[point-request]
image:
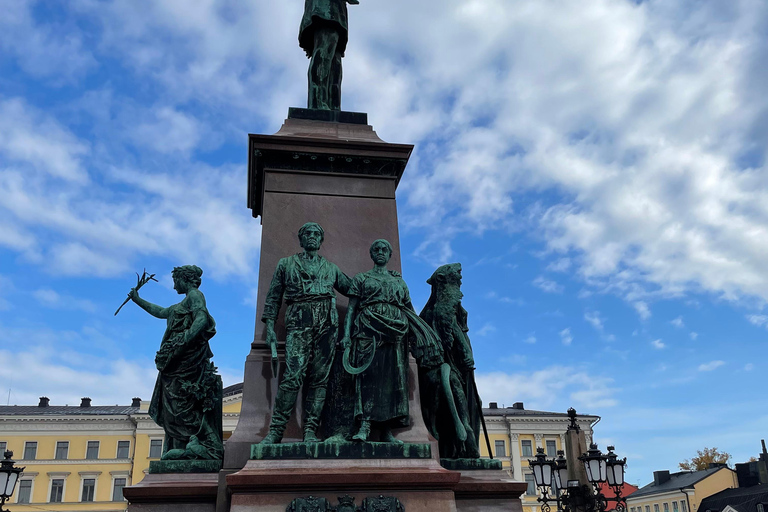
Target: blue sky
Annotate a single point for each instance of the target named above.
(598, 169)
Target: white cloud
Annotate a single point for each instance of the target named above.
(758, 320)
(593, 317)
(544, 388)
(560, 265)
(678, 322)
(565, 336)
(486, 329)
(658, 344)
(52, 299)
(749, 367)
(547, 285)
(694, 335)
(712, 365)
(530, 340)
(642, 309)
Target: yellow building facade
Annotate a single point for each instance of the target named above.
(682, 491)
(81, 457)
(515, 434)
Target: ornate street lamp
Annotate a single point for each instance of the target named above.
(570, 495)
(595, 463)
(9, 475)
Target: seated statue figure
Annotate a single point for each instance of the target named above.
(450, 404)
(187, 398)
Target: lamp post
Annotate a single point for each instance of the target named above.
(9, 475)
(571, 495)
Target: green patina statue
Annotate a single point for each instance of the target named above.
(451, 406)
(306, 281)
(379, 327)
(186, 401)
(323, 35)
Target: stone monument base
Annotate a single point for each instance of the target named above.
(471, 464)
(341, 450)
(272, 485)
(174, 492)
(184, 466)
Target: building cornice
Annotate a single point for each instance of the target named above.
(63, 462)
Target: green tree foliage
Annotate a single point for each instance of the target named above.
(704, 458)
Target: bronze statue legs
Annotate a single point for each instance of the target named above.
(324, 74)
(309, 355)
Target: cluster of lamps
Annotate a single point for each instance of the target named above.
(9, 476)
(551, 476)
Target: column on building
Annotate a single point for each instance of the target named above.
(539, 443)
(515, 464)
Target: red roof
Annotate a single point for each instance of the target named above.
(607, 491)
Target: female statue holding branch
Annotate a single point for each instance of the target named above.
(186, 401)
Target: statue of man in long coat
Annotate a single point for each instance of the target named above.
(323, 35)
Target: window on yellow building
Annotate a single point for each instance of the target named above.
(531, 490)
(3, 446)
(500, 448)
(655, 507)
(89, 489)
(647, 508)
(155, 448)
(674, 507)
(551, 447)
(30, 450)
(93, 450)
(122, 449)
(117, 489)
(527, 448)
(683, 506)
(666, 507)
(57, 490)
(25, 491)
(62, 450)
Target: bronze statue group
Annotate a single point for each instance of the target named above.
(381, 328)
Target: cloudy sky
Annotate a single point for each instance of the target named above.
(597, 167)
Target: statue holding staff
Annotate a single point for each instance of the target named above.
(187, 398)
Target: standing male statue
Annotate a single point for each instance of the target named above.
(306, 281)
(323, 35)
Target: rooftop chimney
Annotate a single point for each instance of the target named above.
(136, 402)
(660, 477)
(85, 402)
(43, 401)
(493, 405)
(518, 405)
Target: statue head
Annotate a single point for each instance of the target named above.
(380, 251)
(446, 283)
(186, 277)
(311, 236)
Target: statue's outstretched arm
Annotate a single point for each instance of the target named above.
(152, 309)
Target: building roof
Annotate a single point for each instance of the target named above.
(743, 499)
(66, 410)
(234, 389)
(677, 481)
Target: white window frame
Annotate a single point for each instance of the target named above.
(496, 449)
(149, 448)
(521, 447)
(6, 447)
(57, 476)
(115, 475)
(98, 450)
(88, 475)
(24, 450)
(117, 448)
(547, 451)
(31, 478)
(56, 449)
